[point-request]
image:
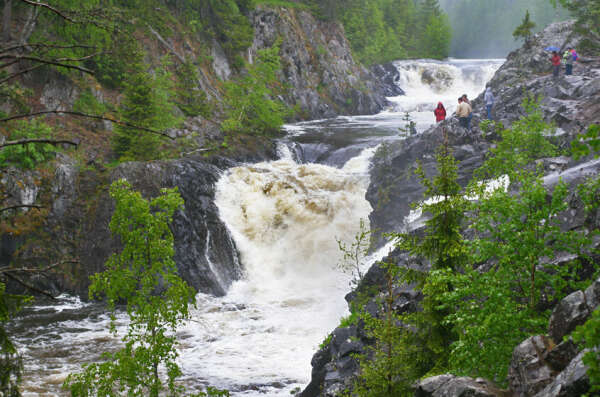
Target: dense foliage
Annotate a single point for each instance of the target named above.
(385, 30)
(147, 103)
(587, 13)
(248, 105)
(27, 155)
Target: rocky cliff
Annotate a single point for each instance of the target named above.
(539, 367)
(321, 80)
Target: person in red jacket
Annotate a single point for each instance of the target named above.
(440, 113)
(555, 63)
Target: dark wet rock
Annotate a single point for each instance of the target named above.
(317, 64)
(528, 372)
(572, 382)
(567, 315)
(561, 355)
(389, 75)
(454, 386)
(394, 185)
(204, 251)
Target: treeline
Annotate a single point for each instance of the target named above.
(483, 29)
(385, 30)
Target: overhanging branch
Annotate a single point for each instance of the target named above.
(14, 207)
(49, 7)
(90, 116)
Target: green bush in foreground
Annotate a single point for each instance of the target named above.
(143, 275)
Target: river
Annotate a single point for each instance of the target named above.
(285, 217)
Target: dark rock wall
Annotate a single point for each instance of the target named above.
(204, 252)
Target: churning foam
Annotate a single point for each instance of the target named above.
(285, 218)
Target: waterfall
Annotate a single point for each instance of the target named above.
(284, 216)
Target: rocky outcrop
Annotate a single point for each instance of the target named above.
(317, 65)
(81, 210)
(455, 386)
(548, 366)
(390, 76)
(571, 102)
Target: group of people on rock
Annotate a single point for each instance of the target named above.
(569, 57)
(464, 111)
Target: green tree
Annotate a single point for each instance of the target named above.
(28, 155)
(589, 335)
(144, 276)
(385, 366)
(587, 13)
(147, 103)
(442, 244)
(11, 365)
(249, 107)
(517, 236)
(524, 30)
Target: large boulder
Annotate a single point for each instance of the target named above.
(572, 382)
(455, 386)
(528, 372)
(573, 310)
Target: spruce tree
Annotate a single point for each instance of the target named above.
(147, 103)
(524, 30)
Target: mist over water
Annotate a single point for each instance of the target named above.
(284, 217)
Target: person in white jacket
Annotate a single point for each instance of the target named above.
(489, 102)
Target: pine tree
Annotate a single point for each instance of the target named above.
(147, 103)
(524, 30)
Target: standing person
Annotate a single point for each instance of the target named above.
(470, 116)
(555, 63)
(440, 113)
(462, 111)
(568, 58)
(489, 101)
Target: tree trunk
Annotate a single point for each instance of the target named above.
(6, 20)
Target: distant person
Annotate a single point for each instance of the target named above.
(440, 113)
(470, 116)
(568, 59)
(413, 128)
(462, 112)
(489, 101)
(555, 63)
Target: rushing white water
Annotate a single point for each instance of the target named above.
(284, 217)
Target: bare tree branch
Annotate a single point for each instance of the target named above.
(4, 80)
(36, 269)
(49, 7)
(14, 207)
(28, 286)
(44, 45)
(57, 62)
(37, 140)
(90, 116)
